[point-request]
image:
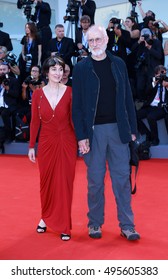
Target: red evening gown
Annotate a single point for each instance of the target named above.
(57, 152)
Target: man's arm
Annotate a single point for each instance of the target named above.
(143, 14)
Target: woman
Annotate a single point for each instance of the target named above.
(132, 27)
(57, 149)
(31, 50)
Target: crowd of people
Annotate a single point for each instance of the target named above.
(118, 80)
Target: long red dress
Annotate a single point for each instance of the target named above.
(57, 152)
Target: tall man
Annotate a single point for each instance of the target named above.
(42, 17)
(62, 45)
(105, 122)
(87, 7)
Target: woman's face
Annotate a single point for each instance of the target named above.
(129, 22)
(35, 72)
(27, 29)
(55, 73)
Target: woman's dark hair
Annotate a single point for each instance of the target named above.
(135, 26)
(33, 29)
(52, 61)
(37, 67)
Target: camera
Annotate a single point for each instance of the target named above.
(133, 2)
(72, 10)
(115, 20)
(147, 39)
(4, 79)
(11, 58)
(28, 58)
(116, 23)
(30, 81)
(162, 77)
(27, 5)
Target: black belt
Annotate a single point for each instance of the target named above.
(43, 27)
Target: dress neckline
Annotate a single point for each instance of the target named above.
(49, 102)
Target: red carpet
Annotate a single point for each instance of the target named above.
(20, 213)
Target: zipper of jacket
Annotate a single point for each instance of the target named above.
(96, 99)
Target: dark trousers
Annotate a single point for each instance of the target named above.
(6, 117)
(46, 35)
(152, 114)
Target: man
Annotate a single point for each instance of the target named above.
(42, 17)
(9, 92)
(5, 41)
(4, 56)
(156, 106)
(62, 45)
(119, 39)
(148, 53)
(105, 122)
(144, 15)
(81, 43)
(86, 7)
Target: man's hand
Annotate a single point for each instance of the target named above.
(84, 147)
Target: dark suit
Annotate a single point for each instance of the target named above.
(78, 39)
(122, 43)
(5, 41)
(65, 49)
(152, 114)
(10, 99)
(89, 9)
(42, 16)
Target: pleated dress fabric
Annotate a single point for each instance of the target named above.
(57, 152)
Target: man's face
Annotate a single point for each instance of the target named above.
(2, 54)
(4, 69)
(59, 31)
(66, 71)
(85, 24)
(97, 43)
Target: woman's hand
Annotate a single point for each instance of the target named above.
(31, 155)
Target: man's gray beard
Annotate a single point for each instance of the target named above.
(99, 52)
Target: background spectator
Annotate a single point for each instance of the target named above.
(119, 39)
(9, 93)
(42, 18)
(62, 45)
(31, 50)
(81, 43)
(155, 105)
(5, 41)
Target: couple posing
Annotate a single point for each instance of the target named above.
(104, 121)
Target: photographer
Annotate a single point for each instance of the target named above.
(31, 83)
(62, 46)
(9, 92)
(5, 40)
(148, 53)
(119, 39)
(31, 50)
(155, 107)
(81, 43)
(10, 58)
(87, 7)
(42, 18)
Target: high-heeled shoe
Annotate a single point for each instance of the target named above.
(65, 237)
(40, 229)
